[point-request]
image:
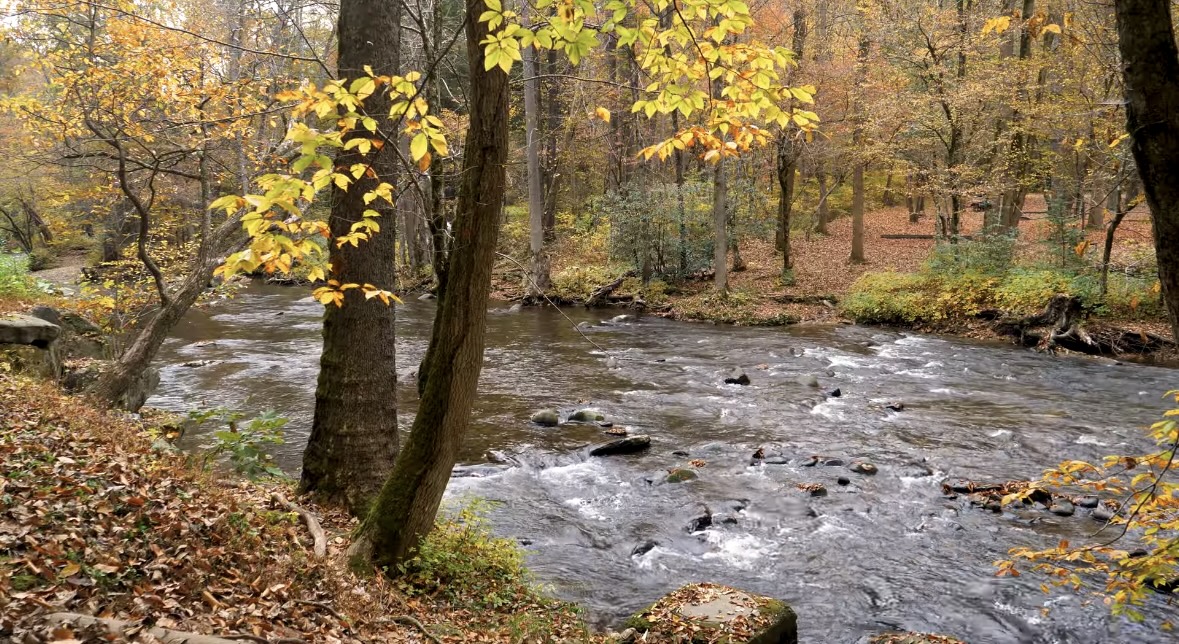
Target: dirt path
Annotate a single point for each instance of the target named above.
(66, 274)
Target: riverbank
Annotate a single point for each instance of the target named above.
(98, 516)
(898, 251)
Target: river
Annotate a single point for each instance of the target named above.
(886, 551)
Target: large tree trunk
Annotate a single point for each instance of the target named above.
(408, 502)
(787, 160)
(1150, 60)
(538, 278)
(857, 244)
(354, 432)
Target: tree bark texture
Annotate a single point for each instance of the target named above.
(538, 278)
(354, 432)
(1150, 65)
(408, 502)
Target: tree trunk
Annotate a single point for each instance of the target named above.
(787, 170)
(354, 431)
(408, 502)
(1150, 62)
(720, 217)
(857, 243)
(538, 279)
(681, 209)
(822, 211)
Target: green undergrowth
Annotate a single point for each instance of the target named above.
(942, 298)
(738, 306)
(15, 281)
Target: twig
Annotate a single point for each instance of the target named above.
(319, 546)
(335, 613)
(412, 621)
(246, 636)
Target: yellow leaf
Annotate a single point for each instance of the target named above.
(603, 114)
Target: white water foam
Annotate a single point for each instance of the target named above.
(740, 551)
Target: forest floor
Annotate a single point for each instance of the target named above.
(99, 517)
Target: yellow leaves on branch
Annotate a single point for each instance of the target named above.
(691, 55)
(333, 293)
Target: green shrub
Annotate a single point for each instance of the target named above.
(579, 282)
(14, 277)
(1026, 291)
(41, 259)
(465, 562)
(992, 255)
(890, 298)
(243, 444)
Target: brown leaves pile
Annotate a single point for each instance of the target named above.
(669, 625)
(94, 521)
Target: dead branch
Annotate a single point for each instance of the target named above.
(118, 627)
(406, 619)
(319, 537)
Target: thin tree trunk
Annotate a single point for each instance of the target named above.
(538, 279)
(408, 502)
(1150, 63)
(354, 431)
(720, 218)
(681, 209)
(787, 160)
(823, 210)
(857, 244)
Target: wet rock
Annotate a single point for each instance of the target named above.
(628, 445)
(994, 505)
(516, 308)
(863, 467)
(426, 297)
(827, 461)
(843, 480)
(758, 457)
(729, 520)
(1102, 513)
(680, 452)
(605, 424)
(586, 416)
(712, 613)
(808, 381)
(643, 548)
(698, 524)
(619, 319)
(830, 373)
(615, 431)
(611, 362)
(546, 418)
(679, 475)
(1087, 501)
(524, 542)
(194, 364)
(895, 406)
(16, 328)
(917, 470)
(776, 460)
(966, 486)
(834, 393)
(626, 636)
(47, 313)
(584, 325)
(1062, 508)
(737, 377)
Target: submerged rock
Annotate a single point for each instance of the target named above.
(698, 524)
(628, 445)
(834, 393)
(516, 308)
(1102, 513)
(828, 461)
(843, 480)
(586, 416)
(546, 418)
(895, 406)
(1062, 508)
(808, 381)
(715, 613)
(679, 475)
(737, 377)
(1088, 501)
(643, 548)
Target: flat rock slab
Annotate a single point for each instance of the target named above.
(16, 328)
(629, 445)
(711, 613)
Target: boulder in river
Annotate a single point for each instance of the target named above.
(814, 489)
(895, 406)
(808, 381)
(680, 474)
(586, 416)
(834, 393)
(1062, 508)
(516, 308)
(546, 418)
(426, 297)
(712, 612)
(737, 377)
(628, 445)
(643, 548)
(1088, 501)
(1102, 513)
(828, 461)
(843, 480)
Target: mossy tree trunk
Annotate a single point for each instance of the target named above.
(408, 502)
(354, 432)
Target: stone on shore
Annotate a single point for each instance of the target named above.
(16, 328)
(715, 613)
(546, 418)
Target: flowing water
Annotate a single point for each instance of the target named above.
(885, 551)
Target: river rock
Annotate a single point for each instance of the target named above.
(516, 308)
(834, 393)
(16, 328)
(737, 377)
(843, 480)
(895, 406)
(546, 418)
(808, 381)
(586, 416)
(715, 613)
(680, 474)
(1102, 513)
(698, 524)
(611, 362)
(628, 445)
(425, 297)
(828, 461)
(863, 467)
(47, 313)
(776, 460)
(619, 319)
(643, 548)
(1062, 508)
(1088, 501)
(814, 489)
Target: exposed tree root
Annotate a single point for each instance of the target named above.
(1059, 326)
(318, 536)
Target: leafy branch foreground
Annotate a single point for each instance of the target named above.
(1137, 550)
(94, 521)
